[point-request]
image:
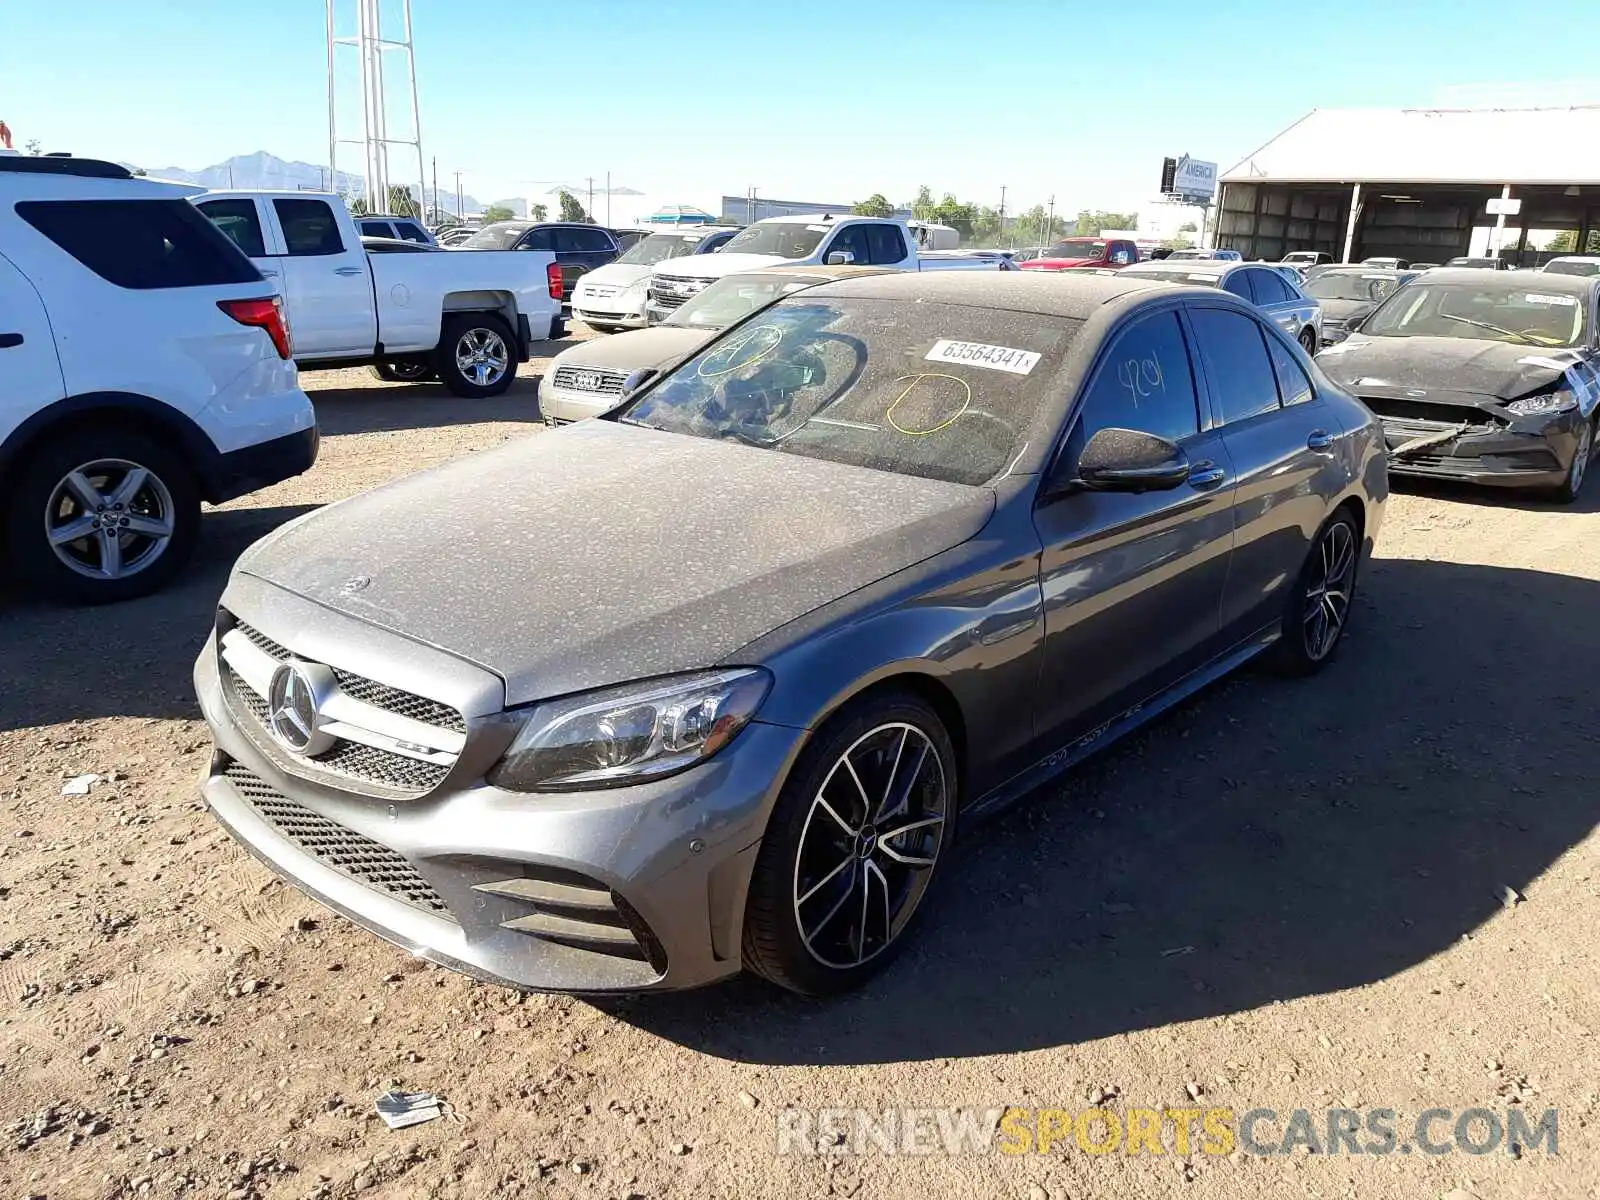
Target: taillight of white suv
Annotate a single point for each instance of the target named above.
(263, 313)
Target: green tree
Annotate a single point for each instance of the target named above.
(875, 205)
(539, 212)
(402, 203)
(922, 207)
(1188, 227)
(498, 212)
(358, 206)
(571, 210)
(33, 147)
(1091, 223)
(1564, 242)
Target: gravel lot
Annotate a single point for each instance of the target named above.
(1283, 895)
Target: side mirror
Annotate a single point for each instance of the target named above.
(840, 258)
(637, 380)
(1128, 460)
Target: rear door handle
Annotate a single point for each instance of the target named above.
(1205, 475)
(1319, 440)
(8, 340)
(269, 274)
(347, 270)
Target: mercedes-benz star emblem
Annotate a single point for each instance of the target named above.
(292, 715)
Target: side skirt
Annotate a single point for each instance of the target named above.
(1103, 735)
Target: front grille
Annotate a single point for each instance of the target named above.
(1440, 415)
(351, 759)
(346, 851)
(669, 291)
(380, 695)
(589, 379)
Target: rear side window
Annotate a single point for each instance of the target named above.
(1238, 282)
(1144, 383)
(309, 227)
(1270, 287)
(885, 245)
(1243, 384)
(141, 244)
(241, 223)
(376, 229)
(1294, 385)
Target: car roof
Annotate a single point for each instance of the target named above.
(1569, 285)
(1583, 258)
(1077, 296)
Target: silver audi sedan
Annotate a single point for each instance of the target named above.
(1262, 284)
(715, 680)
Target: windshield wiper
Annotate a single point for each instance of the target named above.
(1510, 333)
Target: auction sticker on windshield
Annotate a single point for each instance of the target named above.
(977, 354)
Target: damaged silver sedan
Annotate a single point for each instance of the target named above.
(1480, 376)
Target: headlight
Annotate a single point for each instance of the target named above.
(631, 733)
(1544, 406)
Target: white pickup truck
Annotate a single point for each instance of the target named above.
(466, 318)
(819, 239)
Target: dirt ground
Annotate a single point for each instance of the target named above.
(1283, 895)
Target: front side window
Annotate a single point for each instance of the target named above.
(1238, 283)
(377, 229)
(240, 221)
(1501, 309)
(1270, 287)
(885, 245)
(1145, 383)
(501, 236)
(309, 227)
(853, 240)
(936, 390)
(1234, 348)
(781, 238)
(592, 241)
(141, 244)
(410, 231)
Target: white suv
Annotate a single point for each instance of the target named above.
(145, 366)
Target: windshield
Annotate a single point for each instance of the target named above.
(780, 238)
(1077, 250)
(1493, 311)
(733, 298)
(1573, 267)
(1330, 285)
(496, 237)
(659, 247)
(936, 390)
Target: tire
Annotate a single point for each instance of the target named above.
(1309, 340)
(1578, 469)
(816, 860)
(413, 370)
(104, 460)
(1304, 647)
(467, 336)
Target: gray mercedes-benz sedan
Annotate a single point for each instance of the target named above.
(712, 681)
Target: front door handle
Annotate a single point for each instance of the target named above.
(1206, 475)
(347, 270)
(1319, 440)
(8, 340)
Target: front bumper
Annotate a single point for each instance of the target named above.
(562, 406)
(1502, 457)
(611, 311)
(638, 888)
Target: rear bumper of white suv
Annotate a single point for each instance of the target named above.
(240, 472)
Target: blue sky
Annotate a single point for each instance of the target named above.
(816, 99)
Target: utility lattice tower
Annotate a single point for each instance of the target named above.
(383, 69)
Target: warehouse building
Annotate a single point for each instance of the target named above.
(1420, 184)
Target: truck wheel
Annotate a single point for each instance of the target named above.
(407, 370)
(475, 357)
(101, 516)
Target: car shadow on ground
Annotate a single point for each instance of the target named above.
(133, 659)
(1268, 840)
(417, 406)
(1588, 500)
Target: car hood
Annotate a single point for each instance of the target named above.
(634, 351)
(1419, 366)
(715, 266)
(614, 275)
(601, 553)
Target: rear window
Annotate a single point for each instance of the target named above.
(141, 244)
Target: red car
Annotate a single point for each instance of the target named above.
(1072, 253)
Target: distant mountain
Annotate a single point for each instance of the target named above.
(263, 170)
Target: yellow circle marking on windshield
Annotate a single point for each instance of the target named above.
(966, 403)
(765, 337)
